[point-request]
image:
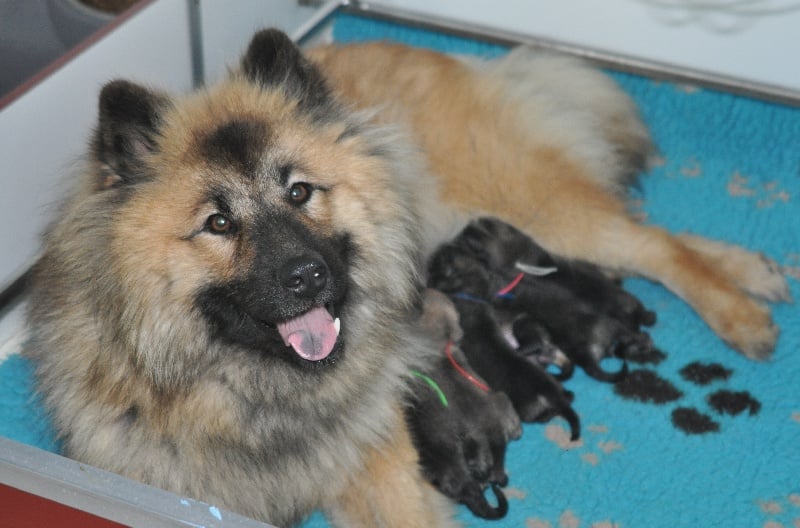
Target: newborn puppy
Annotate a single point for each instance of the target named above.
(588, 316)
(536, 396)
(460, 431)
(503, 248)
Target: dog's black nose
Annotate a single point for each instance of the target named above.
(305, 275)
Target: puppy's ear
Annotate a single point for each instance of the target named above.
(127, 132)
(273, 61)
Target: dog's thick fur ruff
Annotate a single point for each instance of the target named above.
(204, 223)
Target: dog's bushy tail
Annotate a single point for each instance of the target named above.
(573, 100)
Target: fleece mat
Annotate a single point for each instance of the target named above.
(706, 438)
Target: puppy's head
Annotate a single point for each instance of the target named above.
(500, 246)
(454, 269)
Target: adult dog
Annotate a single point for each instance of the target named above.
(550, 146)
(184, 314)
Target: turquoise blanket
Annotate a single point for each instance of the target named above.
(719, 443)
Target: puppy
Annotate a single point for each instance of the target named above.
(536, 396)
(587, 315)
(460, 431)
(506, 249)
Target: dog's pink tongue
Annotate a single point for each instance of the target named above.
(311, 335)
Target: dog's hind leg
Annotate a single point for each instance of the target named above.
(755, 273)
(597, 228)
(391, 491)
(535, 159)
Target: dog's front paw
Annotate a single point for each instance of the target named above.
(756, 343)
(748, 328)
(755, 273)
(768, 281)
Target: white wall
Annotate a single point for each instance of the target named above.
(44, 132)
(754, 41)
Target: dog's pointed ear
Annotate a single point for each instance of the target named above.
(272, 60)
(130, 117)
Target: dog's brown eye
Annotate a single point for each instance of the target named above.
(299, 193)
(219, 224)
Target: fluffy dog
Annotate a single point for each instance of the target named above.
(183, 314)
(225, 304)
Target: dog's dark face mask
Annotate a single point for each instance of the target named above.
(289, 301)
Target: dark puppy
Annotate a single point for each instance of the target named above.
(536, 396)
(505, 249)
(587, 315)
(460, 431)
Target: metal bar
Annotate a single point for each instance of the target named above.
(196, 36)
(106, 494)
(326, 9)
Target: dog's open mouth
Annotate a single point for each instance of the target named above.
(312, 335)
